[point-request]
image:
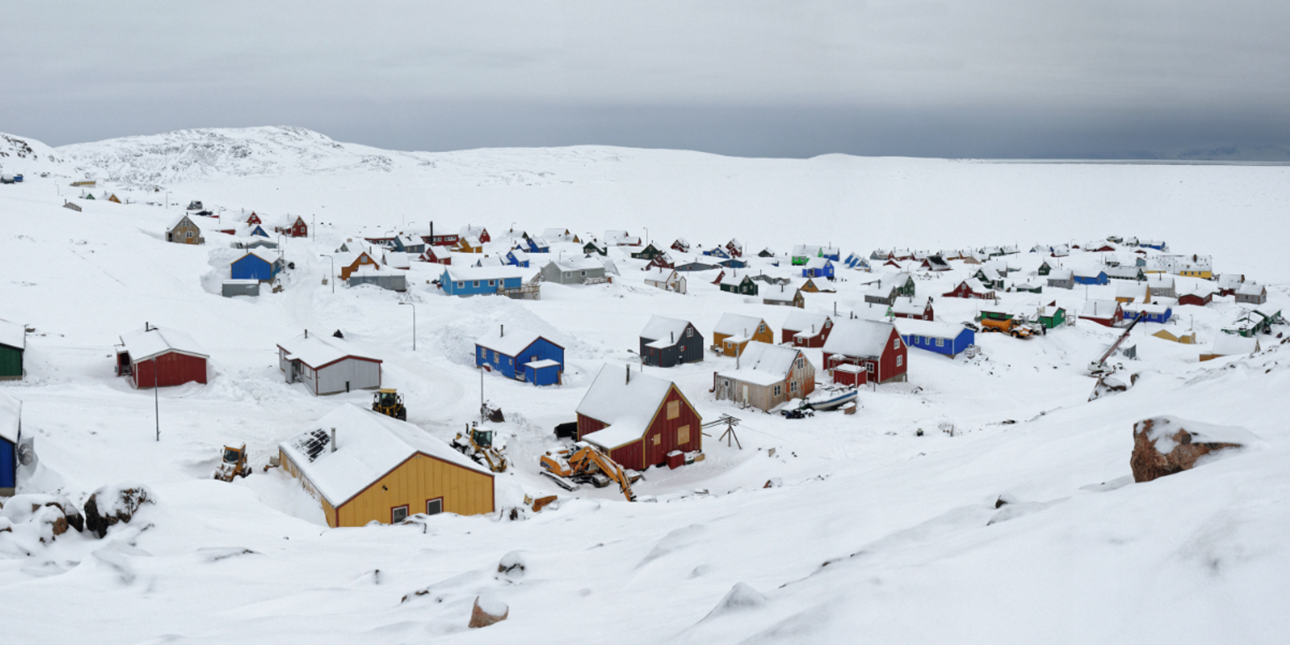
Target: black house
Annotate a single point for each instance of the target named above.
(668, 342)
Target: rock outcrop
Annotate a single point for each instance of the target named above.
(1167, 445)
(487, 611)
(112, 504)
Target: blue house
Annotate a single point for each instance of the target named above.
(733, 263)
(475, 281)
(818, 268)
(717, 252)
(1098, 278)
(517, 258)
(694, 266)
(257, 264)
(256, 229)
(538, 245)
(857, 262)
(408, 244)
(521, 355)
(1151, 313)
(1158, 245)
(938, 337)
(10, 439)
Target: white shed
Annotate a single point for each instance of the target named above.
(327, 365)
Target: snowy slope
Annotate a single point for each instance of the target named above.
(877, 533)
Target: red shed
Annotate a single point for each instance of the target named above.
(294, 228)
(162, 357)
(1199, 298)
(802, 329)
(850, 374)
(874, 345)
(638, 419)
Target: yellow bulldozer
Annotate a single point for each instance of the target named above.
(478, 445)
(389, 402)
(586, 464)
(233, 465)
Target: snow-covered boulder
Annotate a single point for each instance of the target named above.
(44, 517)
(488, 609)
(111, 504)
(1167, 445)
(512, 565)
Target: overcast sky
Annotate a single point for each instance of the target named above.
(973, 78)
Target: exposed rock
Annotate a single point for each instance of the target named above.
(1167, 445)
(512, 565)
(488, 610)
(110, 505)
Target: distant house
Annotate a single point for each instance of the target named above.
(350, 263)
(766, 376)
(293, 227)
(385, 278)
(593, 247)
(717, 252)
(973, 289)
(665, 279)
(733, 263)
(70, 206)
(1062, 279)
(766, 253)
(1091, 278)
(668, 342)
(783, 297)
(1228, 283)
(935, 263)
(1199, 297)
(472, 281)
(1107, 313)
(621, 238)
(449, 239)
(327, 365)
(436, 255)
(857, 262)
(1131, 292)
(521, 355)
(874, 346)
(803, 253)
(694, 266)
(990, 277)
(734, 331)
(802, 329)
(184, 231)
(257, 265)
(1185, 338)
(161, 358)
(410, 244)
(1150, 313)
(557, 235)
(1230, 345)
(809, 286)
(909, 308)
(13, 344)
(1251, 293)
(469, 244)
(741, 284)
(639, 420)
(478, 232)
(1045, 268)
(574, 271)
(889, 287)
(1158, 245)
(1126, 273)
(681, 245)
(1161, 286)
(253, 219)
(538, 245)
(937, 337)
(366, 467)
(518, 258)
(735, 247)
(255, 243)
(1052, 316)
(818, 268)
(661, 261)
(114, 199)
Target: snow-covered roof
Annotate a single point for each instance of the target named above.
(1099, 309)
(1250, 289)
(317, 351)
(975, 285)
(858, 338)
(1131, 289)
(763, 364)
(577, 264)
(10, 418)
(817, 263)
(262, 254)
(906, 305)
(737, 324)
(785, 295)
(460, 273)
(927, 328)
(509, 341)
(142, 345)
(1061, 274)
(662, 328)
(368, 446)
(626, 405)
(13, 334)
(732, 279)
(471, 231)
(546, 362)
(368, 271)
(1231, 345)
(804, 321)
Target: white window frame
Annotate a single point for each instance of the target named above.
(394, 519)
(900, 361)
(476, 283)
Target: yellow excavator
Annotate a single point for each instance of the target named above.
(478, 445)
(389, 402)
(233, 465)
(586, 464)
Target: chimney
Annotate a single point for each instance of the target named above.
(672, 335)
(333, 440)
(629, 374)
(502, 332)
(306, 333)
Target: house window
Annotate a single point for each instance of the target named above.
(801, 362)
(940, 342)
(434, 506)
(868, 367)
(483, 353)
(476, 283)
(792, 386)
(492, 283)
(689, 333)
(461, 285)
(682, 435)
(673, 410)
(658, 439)
(895, 343)
(398, 514)
(900, 360)
(188, 234)
(777, 390)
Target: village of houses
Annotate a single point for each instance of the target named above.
(732, 343)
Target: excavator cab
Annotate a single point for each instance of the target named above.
(482, 438)
(389, 402)
(233, 465)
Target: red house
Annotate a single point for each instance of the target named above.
(908, 308)
(438, 256)
(802, 329)
(1103, 312)
(661, 261)
(476, 231)
(681, 245)
(441, 240)
(296, 228)
(160, 357)
(735, 247)
(1199, 298)
(873, 345)
(638, 420)
(971, 288)
(253, 219)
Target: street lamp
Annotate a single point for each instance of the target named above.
(414, 324)
(332, 278)
(646, 234)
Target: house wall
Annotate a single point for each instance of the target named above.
(8, 467)
(179, 234)
(172, 368)
(360, 374)
(413, 483)
(391, 282)
(251, 267)
(10, 362)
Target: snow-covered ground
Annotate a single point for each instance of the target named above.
(878, 533)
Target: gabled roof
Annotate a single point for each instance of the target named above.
(664, 328)
(12, 334)
(577, 264)
(1250, 289)
(143, 345)
(318, 351)
(368, 446)
(763, 364)
(928, 328)
(511, 342)
(1100, 309)
(737, 325)
(904, 305)
(176, 221)
(271, 258)
(858, 338)
(626, 405)
(1231, 345)
(460, 273)
(803, 321)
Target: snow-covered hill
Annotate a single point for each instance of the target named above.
(880, 526)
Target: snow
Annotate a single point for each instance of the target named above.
(858, 338)
(316, 351)
(10, 417)
(1232, 345)
(927, 328)
(802, 320)
(916, 551)
(510, 343)
(1165, 427)
(546, 362)
(737, 325)
(763, 364)
(662, 329)
(461, 274)
(613, 396)
(13, 334)
(143, 345)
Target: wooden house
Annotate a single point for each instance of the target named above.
(1085, 277)
(733, 263)
(253, 219)
(13, 345)
(661, 261)
(741, 284)
(935, 337)
(990, 277)
(621, 238)
(1228, 283)
(160, 358)
(293, 227)
(184, 231)
(639, 420)
(890, 286)
(367, 467)
(1199, 297)
(410, 244)
(818, 268)
(971, 288)
(383, 277)
(766, 253)
(1107, 313)
(909, 308)
(70, 206)
(1251, 293)
(351, 263)
(668, 342)
(537, 245)
(574, 271)
(875, 346)
(521, 355)
(257, 264)
(1062, 279)
(1152, 313)
(446, 239)
(327, 365)
(478, 232)
(1045, 268)
(665, 279)
(1126, 273)
(857, 262)
(1131, 292)
(1052, 316)
(695, 266)
(436, 255)
(802, 329)
(1161, 286)
(735, 248)
(1230, 345)
(114, 199)
(717, 252)
(783, 297)
(518, 258)
(809, 286)
(475, 281)
(766, 376)
(593, 247)
(935, 263)
(1173, 336)
(469, 244)
(681, 245)
(734, 331)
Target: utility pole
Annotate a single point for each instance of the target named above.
(414, 324)
(156, 398)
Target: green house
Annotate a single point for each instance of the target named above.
(1054, 319)
(592, 247)
(1045, 269)
(734, 284)
(647, 253)
(991, 279)
(13, 342)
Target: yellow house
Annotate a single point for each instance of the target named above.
(469, 244)
(1186, 338)
(734, 331)
(363, 466)
(1196, 273)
